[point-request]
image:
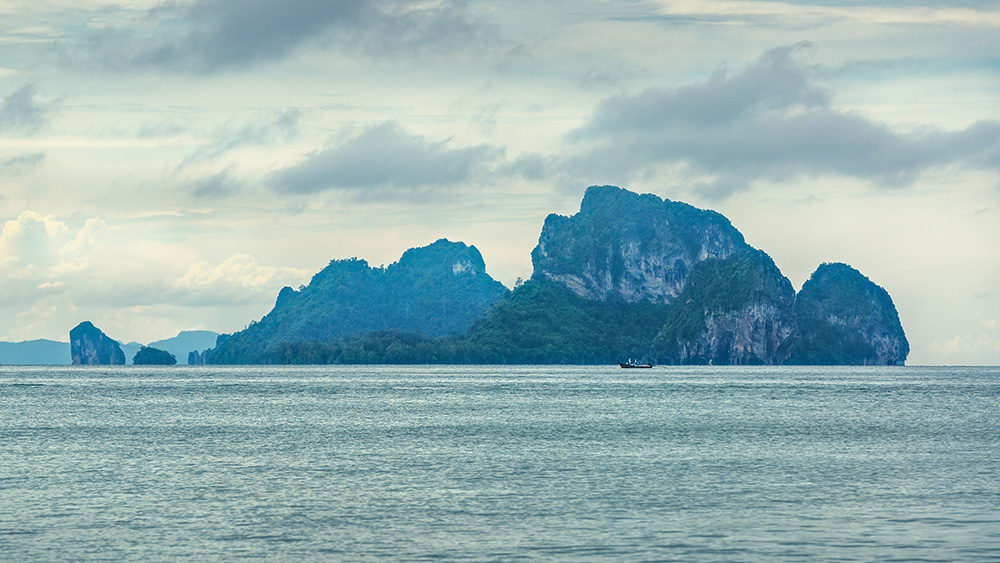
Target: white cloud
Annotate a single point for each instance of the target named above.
(34, 244)
(969, 349)
(55, 272)
(239, 271)
(266, 128)
(822, 14)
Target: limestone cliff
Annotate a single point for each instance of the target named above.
(91, 347)
(630, 247)
(845, 318)
(728, 302)
(738, 310)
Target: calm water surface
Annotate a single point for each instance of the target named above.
(499, 464)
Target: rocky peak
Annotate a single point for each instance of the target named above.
(631, 247)
(845, 318)
(91, 347)
(443, 254)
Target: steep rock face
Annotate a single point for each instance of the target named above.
(630, 247)
(845, 318)
(204, 357)
(755, 335)
(737, 310)
(436, 290)
(727, 302)
(91, 347)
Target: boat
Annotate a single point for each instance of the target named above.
(631, 364)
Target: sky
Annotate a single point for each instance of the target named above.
(167, 166)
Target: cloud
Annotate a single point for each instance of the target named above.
(385, 160)
(965, 349)
(239, 278)
(221, 184)
(72, 271)
(239, 269)
(30, 241)
(207, 36)
(798, 15)
(769, 121)
(39, 253)
(21, 112)
(267, 128)
(21, 164)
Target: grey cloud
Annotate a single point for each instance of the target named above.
(530, 166)
(769, 121)
(276, 126)
(604, 78)
(222, 184)
(21, 164)
(382, 160)
(20, 111)
(773, 83)
(212, 35)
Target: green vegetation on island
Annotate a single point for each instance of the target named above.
(628, 276)
(148, 356)
(845, 318)
(433, 291)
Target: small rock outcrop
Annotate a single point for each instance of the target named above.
(148, 356)
(204, 357)
(846, 319)
(91, 347)
(184, 342)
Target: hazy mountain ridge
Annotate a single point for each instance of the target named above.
(40, 352)
(185, 342)
(52, 352)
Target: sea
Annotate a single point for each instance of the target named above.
(499, 463)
